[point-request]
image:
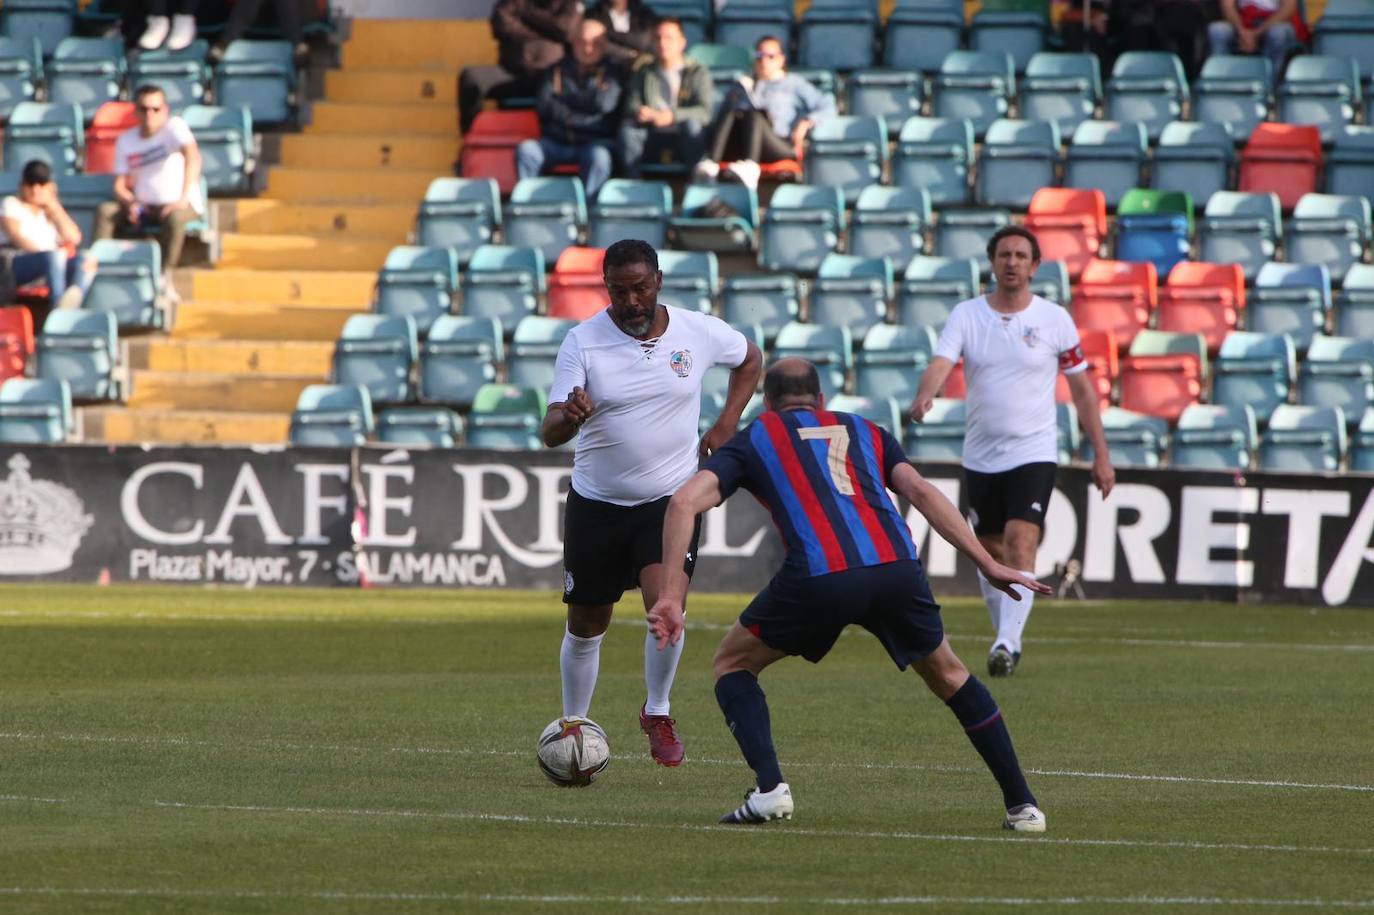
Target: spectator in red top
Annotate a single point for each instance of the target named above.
(1268, 27)
(532, 36)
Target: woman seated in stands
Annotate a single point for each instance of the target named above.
(34, 223)
(764, 118)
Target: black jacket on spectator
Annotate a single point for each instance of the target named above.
(533, 34)
(577, 106)
(626, 46)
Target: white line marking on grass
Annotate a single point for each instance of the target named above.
(22, 799)
(784, 831)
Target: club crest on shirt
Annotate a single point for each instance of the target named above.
(681, 362)
(1031, 335)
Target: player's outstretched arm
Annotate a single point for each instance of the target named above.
(695, 496)
(1085, 400)
(932, 380)
(945, 518)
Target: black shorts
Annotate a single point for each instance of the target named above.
(804, 616)
(606, 546)
(1022, 493)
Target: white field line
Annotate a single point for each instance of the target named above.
(184, 742)
(23, 799)
(782, 831)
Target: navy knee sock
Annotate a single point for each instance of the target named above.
(973, 705)
(746, 712)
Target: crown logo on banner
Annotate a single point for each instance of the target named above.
(41, 523)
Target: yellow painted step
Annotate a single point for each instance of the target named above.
(236, 393)
(405, 86)
(332, 150)
(276, 217)
(352, 117)
(232, 321)
(241, 357)
(185, 426)
(303, 252)
(320, 185)
(345, 289)
(430, 43)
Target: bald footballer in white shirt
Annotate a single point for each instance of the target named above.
(627, 383)
(1013, 345)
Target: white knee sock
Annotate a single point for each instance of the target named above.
(579, 661)
(659, 669)
(993, 598)
(1015, 614)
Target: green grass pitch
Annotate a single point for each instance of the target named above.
(173, 750)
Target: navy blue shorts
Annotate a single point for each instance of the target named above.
(804, 616)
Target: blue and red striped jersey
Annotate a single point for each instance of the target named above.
(823, 476)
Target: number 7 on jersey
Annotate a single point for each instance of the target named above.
(837, 452)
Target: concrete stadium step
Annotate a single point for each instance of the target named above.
(324, 185)
(238, 357)
(222, 392)
(354, 118)
(421, 87)
(237, 321)
(276, 217)
(118, 425)
(303, 252)
(339, 288)
(438, 44)
(332, 150)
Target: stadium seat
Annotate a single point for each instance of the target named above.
(379, 353)
(1067, 432)
(1133, 439)
(852, 292)
(1164, 373)
(52, 133)
(883, 412)
(940, 436)
(503, 282)
(690, 279)
(548, 213)
(86, 72)
(1361, 449)
(1069, 224)
(1018, 158)
(225, 138)
(1117, 297)
(459, 213)
(34, 411)
(82, 195)
(1148, 88)
(1107, 156)
(1240, 229)
(935, 155)
(1355, 310)
(849, 153)
(891, 361)
(724, 231)
(837, 37)
(890, 222)
(1321, 91)
(977, 85)
(1154, 226)
(577, 288)
(712, 405)
(110, 120)
(1020, 34)
(460, 355)
(489, 145)
(127, 282)
(1282, 159)
(421, 282)
(533, 350)
(1254, 369)
(435, 427)
(1290, 299)
(696, 19)
(964, 232)
(332, 415)
(1214, 437)
(16, 340)
(21, 72)
(261, 76)
(1195, 159)
(767, 300)
(802, 225)
(631, 209)
(717, 377)
(1331, 230)
(921, 36)
(742, 22)
(1205, 299)
(727, 64)
(1338, 372)
(1051, 281)
(826, 345)
(44, 21)
(892, 95)
(1232, 91)
(181, 75)
(1104, 362)
(506, 417)
(1304, 439)
(81, 348)
(932, 286)
(1063, 88)
(1346, 29)
(1350, 164)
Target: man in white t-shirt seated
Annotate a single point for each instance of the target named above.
(34, 223)
(157, 183)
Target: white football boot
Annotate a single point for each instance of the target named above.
(1026, 818)
(760, 808)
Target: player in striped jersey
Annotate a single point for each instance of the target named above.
(850, 559)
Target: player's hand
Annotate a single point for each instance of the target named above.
(1002, 578)
(1104, 474)
(666, 622)
(578, 407)
(920, 407)
(713, 439)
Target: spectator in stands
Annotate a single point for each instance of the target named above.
(157, 179)
(630, 28)
(34, 223)
(1269, 27)
(289, 16)
(667, 105)
(531, 36)
(764, 118)
(175, 32)
(1176, 26)
(579, 108)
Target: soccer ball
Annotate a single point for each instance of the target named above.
(573, 752)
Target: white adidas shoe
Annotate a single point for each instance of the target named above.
(760, 808)
(155, 33)
(182, 33)
(1026, 818)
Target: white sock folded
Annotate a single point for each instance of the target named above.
(1015, 615)
(579, 661)
(660, 667)
(993, 598)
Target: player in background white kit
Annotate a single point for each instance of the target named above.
(1013, 345)
(627, 383)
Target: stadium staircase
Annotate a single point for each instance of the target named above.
(302, 257)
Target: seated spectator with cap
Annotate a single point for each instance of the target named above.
(44, 238)
(531, 36)
(764, 118)
(1269, 27)
(667, 105)
(579, 113)
(629, 29)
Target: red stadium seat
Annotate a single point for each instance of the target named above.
(16, 341)
(1069, 224)
(576, 287)
(1099, 348)
(956, 386)
(1283, 159)
(489, 146)
(1203, 299)
(1117, 297)
(1162, 386)
(111, 120)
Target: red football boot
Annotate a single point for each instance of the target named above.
(664, 745)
